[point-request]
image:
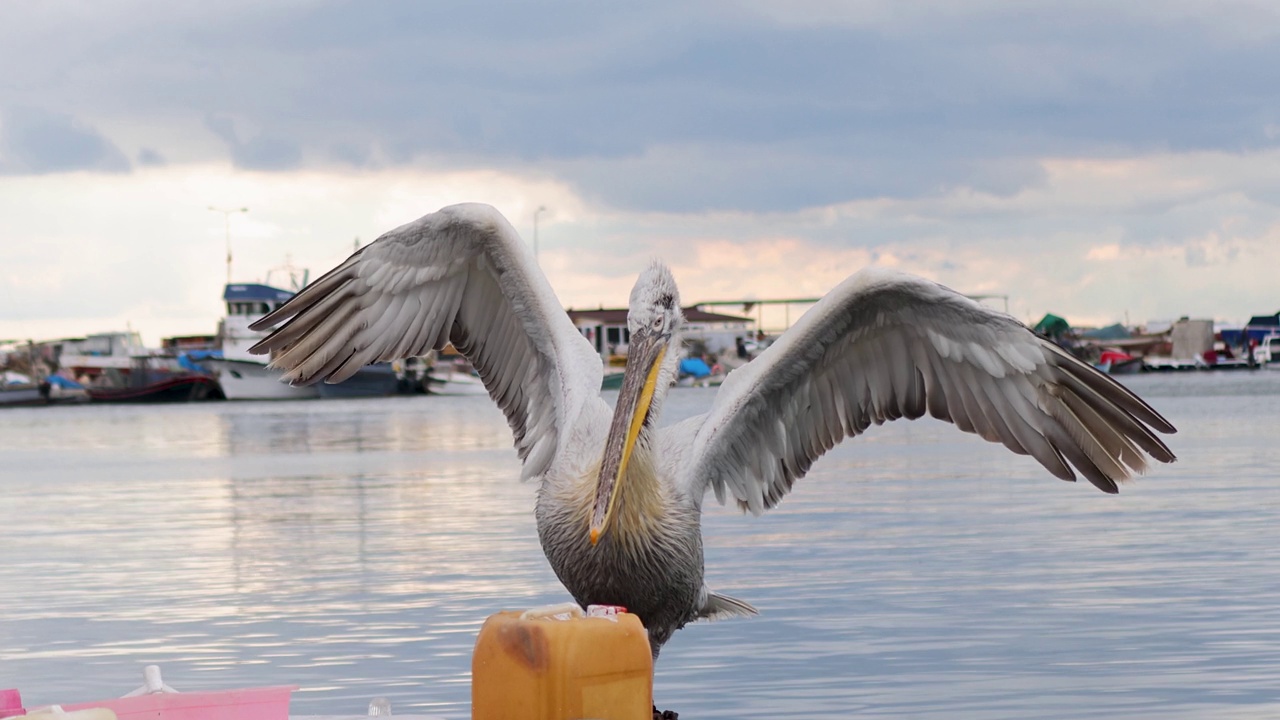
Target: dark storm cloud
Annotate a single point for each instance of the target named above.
(150, 157)
(682, 107)
(261, 152)
(35, 142)
(351, 154)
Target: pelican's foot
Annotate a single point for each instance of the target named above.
(664, 714)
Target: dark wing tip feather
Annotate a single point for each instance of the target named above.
(1114, 389)
(1099, 425)
(1126, 402)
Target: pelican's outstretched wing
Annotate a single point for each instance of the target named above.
(884, 345)
(460, 275)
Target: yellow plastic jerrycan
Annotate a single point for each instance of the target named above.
(557, 663)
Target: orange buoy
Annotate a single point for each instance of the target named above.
(558, 663)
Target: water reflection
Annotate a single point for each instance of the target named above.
(354, 547)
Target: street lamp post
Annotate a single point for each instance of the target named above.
(226, 218)
(541, 209)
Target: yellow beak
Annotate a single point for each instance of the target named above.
(634, 400)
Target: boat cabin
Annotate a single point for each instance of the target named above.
(606, 329)
(253, 299)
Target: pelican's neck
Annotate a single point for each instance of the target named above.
(642, 475)
(641, 506)
(642, 497)
(666, 376)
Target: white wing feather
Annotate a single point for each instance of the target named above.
(460, 275)
(885, 345)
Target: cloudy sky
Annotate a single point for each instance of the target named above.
(1098, 162)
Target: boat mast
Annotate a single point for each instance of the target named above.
(226, 219)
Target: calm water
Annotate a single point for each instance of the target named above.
(354, 547)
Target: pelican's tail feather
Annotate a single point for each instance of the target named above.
(720, 607)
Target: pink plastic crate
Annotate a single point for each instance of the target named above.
(11, 704)
(264, 703)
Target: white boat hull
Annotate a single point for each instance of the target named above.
(455, 383)
(21, 395)
(241, 380)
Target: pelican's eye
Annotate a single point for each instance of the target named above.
(657, 323)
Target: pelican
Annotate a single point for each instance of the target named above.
(619, 500)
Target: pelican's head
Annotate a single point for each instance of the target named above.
(654, 319)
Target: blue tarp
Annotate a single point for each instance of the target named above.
(59, 381)
(189, 359)
(695, 367)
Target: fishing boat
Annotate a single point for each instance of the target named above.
(118, 367)
(244, 376)
(20, 375)
(88, 358)
(1267, 353)
(17, 389)
(167, 387)
(62, 390)
(1117, 362)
